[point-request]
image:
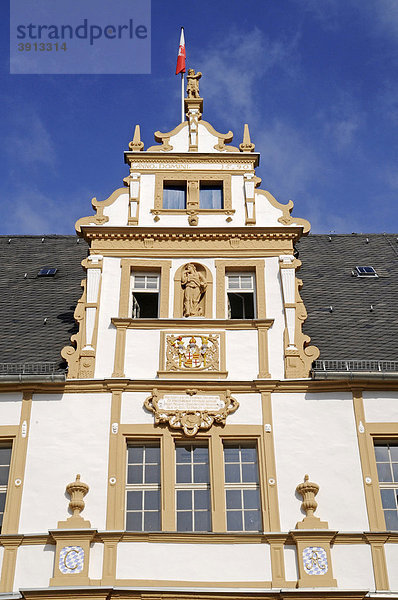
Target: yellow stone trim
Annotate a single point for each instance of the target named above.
(271, 487)
(171, 583)
(127, 266)
(110, 559)
(10, 544)
(114, 513)
(318, 538)
(380, 570)
(223, 266)
(278, 561)
(66, 537)
(210, 324)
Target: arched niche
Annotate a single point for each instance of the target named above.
(206, 301)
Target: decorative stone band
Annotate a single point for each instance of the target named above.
(191, 411)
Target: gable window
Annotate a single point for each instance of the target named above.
(175, 195)
(193, 488)
(143, 488)
(242, 488)
(145, 295)
(387, 471)
(241, 295)
(211, 195)
(5, 459)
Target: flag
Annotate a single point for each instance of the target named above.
(181, 54)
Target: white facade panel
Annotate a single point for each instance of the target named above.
(96, 560)
(109, 307)
(10, 408)
(133, 411)
(391, 552)
(142, 354)
(118, 211)
(249, 411)
(381, 407)
(35, 565)
(194, 562)
(274, 308)
(242, 354)
(68, 435)
(291, 566)
(353, 567)
(315, 434)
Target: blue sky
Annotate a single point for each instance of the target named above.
(315, 79)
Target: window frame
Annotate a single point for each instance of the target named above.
(223, 267)
(168, 439)
(128, 266)
(252, 291)
(144, 290)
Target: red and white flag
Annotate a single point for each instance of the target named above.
(181, 54)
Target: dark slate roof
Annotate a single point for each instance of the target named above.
(351, 331)
(26, 302)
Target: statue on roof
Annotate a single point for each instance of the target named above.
(193, 83)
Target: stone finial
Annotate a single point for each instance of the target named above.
(308, 490)
(136, 145)
(246, 145)
(76, 490)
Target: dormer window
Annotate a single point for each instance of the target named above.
(211, 195)
(175, 195)
(145, 296)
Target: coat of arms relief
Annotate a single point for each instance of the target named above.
(198, 352)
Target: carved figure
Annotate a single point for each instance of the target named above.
(193, 83)
(194, 285)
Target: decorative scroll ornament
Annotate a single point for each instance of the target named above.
(191, 411)
(187, 352)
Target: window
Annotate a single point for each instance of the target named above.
(241, 295)
(242, 490)
(175, 195)
(5, 459)
(143, 487)
(145, 295)
(365, 272)
(47, 272)
(387, 471)
(193, 488)
(211, 195)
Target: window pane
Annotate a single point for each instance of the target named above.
(135, 454)
(152, 454)
(139, 281)
(231, 454)
(249, 455)
(234, 521)
(252, 520)
(202, 521)
(202, 499)
(5, 456)
(184, 499)
(152, 521)
(249, 473)
(241, 305)
(251, 498)
(381, 453)
(4, 475)
(145, 305)
(134, 521)
(152, 282)
(395, 471)
(246, 282)
(2, 502)
(184, 474)
(394, 453)
(201, 473)
(200, 454)
(234, 499)
(232, 473)
(184, 521)
(152, 474)
(152, 500)
(388, 498)
(211, 196)
(183, 454)
(134, 500)
(384, 472)
(174, 196)
(233, 281)
(391, 517)
(135, 474)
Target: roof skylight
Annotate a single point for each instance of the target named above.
(366, 271)
(47, 272)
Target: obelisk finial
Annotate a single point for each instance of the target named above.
(246, 145)
(136, 145)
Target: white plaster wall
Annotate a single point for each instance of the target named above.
(391, 552)
(109, 307)
(180, 141)
(96, 560)
(68, 435)
(147, 199)
(352, 566)
(133, 411)
(242, 354)
(238, 201)
(194, 562)
(274, 308)
(118, 211)
(315, 434)
(249, 411)
(266, 214)
(142, 353)
(10, 408)
(34, 567)
(291, 566)
(381, 407)
(206, 141)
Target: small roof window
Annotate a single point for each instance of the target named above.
(47, 272)
(365, 271)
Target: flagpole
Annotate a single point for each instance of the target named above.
(182, 98)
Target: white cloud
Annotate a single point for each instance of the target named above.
(30, 138)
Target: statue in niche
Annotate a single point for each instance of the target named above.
(194, 285)
(193, 83)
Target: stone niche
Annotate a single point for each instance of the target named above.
(193, 291)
